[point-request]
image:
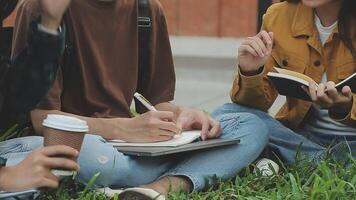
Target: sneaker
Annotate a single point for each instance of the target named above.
(140, 194)
(264, 166)
(132, 194)
(109, 192)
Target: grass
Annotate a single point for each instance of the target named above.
(327, 180)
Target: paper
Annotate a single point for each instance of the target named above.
(186, 138)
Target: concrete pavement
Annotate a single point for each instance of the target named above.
(205, 69)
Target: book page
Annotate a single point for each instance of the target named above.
(186, 138)
(295, 74)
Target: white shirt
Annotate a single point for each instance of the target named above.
(318, 120)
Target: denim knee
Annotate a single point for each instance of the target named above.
(247, 126)
(115, 168)
(97, 157)
(231, 108)
(18, 145)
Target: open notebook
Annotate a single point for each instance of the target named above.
(186, 138)
(187, 142)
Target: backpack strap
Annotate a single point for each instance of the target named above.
(144, 39)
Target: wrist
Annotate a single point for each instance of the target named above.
(119, 128)
(341, 111)
(252, 72)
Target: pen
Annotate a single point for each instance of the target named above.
(148, 105)
(144, 102)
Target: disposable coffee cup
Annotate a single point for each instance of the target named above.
(64, 130)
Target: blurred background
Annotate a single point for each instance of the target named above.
(205, 35)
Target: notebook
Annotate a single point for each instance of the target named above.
(289, 83)
(164, 151)
(188, 141)
(186, 138)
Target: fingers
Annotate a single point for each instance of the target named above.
(61, 150)
(312, 91)
(323, 98)
(268, 39)
(215, 131)
(170, 127)
(332, 91)
(65, 163)
(346, 91)
(205, 129)
(164, 115)
(249, 49)
(259, 45)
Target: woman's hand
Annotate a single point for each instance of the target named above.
(254, 52)
(35, 170)
(153, 126)
(52, 12)
(327, 97)
(194, 119)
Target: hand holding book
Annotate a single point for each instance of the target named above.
(328, 97)
(331, 96)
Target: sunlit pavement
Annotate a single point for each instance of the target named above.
(205, 68)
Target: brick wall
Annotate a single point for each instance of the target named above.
(215, 18)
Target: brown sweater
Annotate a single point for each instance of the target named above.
(102, 80)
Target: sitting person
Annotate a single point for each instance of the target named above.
(97, 83)
(17, 174)
(316, 38)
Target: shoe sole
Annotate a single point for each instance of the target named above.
(130, 195)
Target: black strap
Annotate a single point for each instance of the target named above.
(144, 41)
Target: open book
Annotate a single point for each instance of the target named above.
(186, 138)
(289, 83)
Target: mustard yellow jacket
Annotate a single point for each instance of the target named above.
(297, 47)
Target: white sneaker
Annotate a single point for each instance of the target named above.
(133, 194)
(109, 192)
(264, 166)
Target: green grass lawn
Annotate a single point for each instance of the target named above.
(304, 180)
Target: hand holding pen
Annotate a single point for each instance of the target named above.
(161, 121)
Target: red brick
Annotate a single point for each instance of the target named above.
(198, 17)
(238, 18)
(171, 10)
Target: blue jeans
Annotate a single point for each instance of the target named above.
(202, 168)
(287, 142)
(16, 150)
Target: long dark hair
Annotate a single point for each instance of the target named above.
(346, 20)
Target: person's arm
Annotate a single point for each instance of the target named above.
(35, 170)
(349, 118)
(251, 86)
(148, 127)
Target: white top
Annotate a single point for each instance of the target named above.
(324, 32)
(65, 123)
(318, 120)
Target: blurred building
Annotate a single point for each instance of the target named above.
(213, 18)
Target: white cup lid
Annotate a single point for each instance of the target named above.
(65, 123)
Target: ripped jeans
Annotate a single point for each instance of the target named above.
(202, 168)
